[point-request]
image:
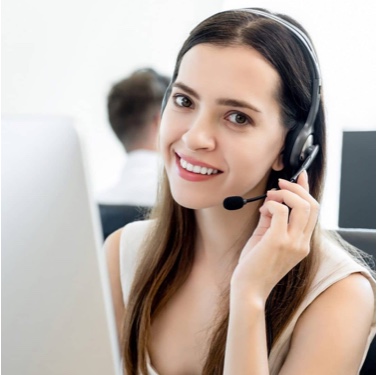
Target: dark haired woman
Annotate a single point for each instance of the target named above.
(262, 290)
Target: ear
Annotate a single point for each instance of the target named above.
(278, 164)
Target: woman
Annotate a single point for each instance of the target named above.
(261, 290)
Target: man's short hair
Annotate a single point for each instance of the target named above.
(133, 103)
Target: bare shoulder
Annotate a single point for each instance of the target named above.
(330, 336)
(112, 249)
(355, 287)
(112, 246)
(130, 237)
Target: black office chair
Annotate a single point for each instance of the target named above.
(114, 217)
(365, 240)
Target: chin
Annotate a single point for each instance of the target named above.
(195, 203)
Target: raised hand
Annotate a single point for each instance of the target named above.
(281, 239)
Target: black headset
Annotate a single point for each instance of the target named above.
(299, 143)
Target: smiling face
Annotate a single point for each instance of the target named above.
(221, 131)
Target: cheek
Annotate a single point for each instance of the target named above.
(169, 134)
(165, 134)
(172, 127)
(255, 157)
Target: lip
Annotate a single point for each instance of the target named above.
(191, 176)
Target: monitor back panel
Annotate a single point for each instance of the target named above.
(57, 316)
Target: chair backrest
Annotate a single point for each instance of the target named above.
(363, 239)
(369, 365)
(114, 217)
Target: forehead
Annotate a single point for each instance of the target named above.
(229, 71)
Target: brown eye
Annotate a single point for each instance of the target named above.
(239, 118)
(182, 101)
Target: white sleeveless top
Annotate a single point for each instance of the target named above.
(334, 265)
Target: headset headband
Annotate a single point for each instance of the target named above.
(302, 139)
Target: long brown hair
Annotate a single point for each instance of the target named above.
(168, 250)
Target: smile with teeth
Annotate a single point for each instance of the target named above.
(196, 168)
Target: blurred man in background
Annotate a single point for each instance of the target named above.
(134, 111)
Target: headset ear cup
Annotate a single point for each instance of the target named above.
(297, 145)
(288, 149)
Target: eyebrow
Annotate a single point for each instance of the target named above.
(222, 101)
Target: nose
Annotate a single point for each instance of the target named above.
(201, 134)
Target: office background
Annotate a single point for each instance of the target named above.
(60, 58)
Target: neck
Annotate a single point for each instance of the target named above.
(222, 234)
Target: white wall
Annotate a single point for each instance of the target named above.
(61, 57)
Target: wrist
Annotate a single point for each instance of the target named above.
(250, 290)
(247, 297)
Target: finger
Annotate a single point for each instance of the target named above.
(301, 187)
(312, 222)
(264, 220)
(278, 214)
(303, 180)
(300, 210)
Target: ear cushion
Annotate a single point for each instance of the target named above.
(297, 144)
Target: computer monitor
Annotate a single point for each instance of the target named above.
(57, 316)
(357, 202)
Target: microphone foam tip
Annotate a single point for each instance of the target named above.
(233, 203)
